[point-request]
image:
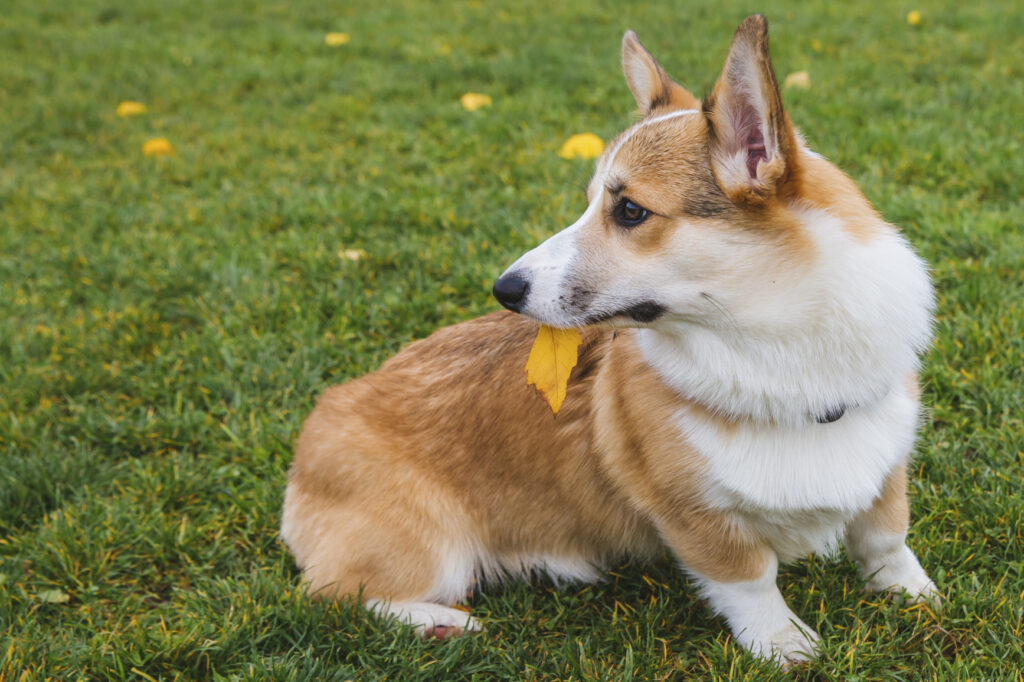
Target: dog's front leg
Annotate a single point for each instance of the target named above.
(877, 540)
(737, 577)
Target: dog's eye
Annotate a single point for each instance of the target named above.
(629, 214)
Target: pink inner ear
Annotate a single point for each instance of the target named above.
(754, 144)
(747, 124)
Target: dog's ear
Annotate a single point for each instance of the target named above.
(751, 138)
(650, 85)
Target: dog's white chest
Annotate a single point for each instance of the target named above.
(837, 467)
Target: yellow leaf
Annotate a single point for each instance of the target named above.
(158, 146)
(913, 17)
(800, 80)
(551, 360)
(472, 101)
(584, 146)
(335, 39)
(54, 596)
(351, 254)
(128, 108)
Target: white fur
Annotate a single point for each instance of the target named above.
(424, 616)
(457, 571)
(790, 342)
(759, 618)
(562, 569)
(469, 563)
(839, 466)
(887, 563)
(461, 569)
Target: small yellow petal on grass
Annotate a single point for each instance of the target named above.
(816, 45)
(335, 39)
(913, 17)
(583, 146)
(800, 80)
(54, 596)
(472, 101)
(158, 146)
(129, 108)
(551, 361)
(352, 254)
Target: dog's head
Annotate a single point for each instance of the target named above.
(686, 213)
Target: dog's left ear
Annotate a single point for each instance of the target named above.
(751, 139)
(648, 82)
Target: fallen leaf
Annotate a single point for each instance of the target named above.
(913, 17)
(800, 80)
(472, 101)
(583, 146)
(53, 596)
(551, 361)
(335, 39)
(158, 146)
(129, 108)
(352, 254)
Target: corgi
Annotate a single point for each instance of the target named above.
(745, 393)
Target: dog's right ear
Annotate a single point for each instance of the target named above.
(650, 85)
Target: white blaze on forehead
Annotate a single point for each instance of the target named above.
(630, 133)
(643, 124)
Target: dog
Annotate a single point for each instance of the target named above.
(745, 393)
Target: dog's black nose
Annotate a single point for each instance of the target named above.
(510, 290)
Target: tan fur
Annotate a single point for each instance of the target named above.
(823, 186)
(891, 511)
(644, 452)
(378, 492)
(666, 169)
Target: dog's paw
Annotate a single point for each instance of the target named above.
(431, 621)
(921, 591)
(438, 631)
(901, 576)
(790, 646)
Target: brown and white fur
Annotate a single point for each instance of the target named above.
(759, 297)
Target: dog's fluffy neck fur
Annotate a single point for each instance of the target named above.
(770, 359)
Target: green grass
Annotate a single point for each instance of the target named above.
(166, 323)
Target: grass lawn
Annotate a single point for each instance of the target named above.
(167, 322)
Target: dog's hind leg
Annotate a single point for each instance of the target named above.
(406, 570)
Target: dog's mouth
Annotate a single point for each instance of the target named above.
(643, 312)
